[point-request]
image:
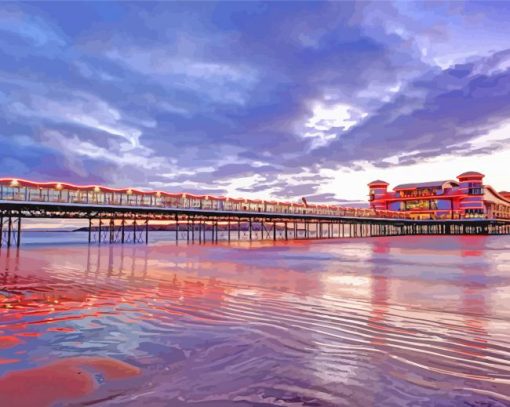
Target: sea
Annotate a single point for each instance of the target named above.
(389, 321)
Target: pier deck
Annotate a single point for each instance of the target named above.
(131, 224)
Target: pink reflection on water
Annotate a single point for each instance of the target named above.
(417, 310)
(475, 296)
(379, 293)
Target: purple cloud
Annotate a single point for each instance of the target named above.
(173, 95)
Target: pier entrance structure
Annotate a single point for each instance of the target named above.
(124, 216)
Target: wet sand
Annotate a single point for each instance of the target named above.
(365, 322)
(63, 380)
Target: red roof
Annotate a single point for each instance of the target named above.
(429, 184)
(378, 182)
(471, 174)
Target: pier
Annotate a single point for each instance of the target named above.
(126, 215)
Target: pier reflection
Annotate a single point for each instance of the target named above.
(380, 293)
(387, 321)
(475, 293)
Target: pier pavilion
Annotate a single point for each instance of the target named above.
(466, 197)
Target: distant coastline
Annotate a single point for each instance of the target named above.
(152, 228)
(167, 228)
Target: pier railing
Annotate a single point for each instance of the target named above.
(56, 192)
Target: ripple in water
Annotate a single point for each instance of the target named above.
(371, 322)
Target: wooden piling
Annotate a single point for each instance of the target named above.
(18, 239)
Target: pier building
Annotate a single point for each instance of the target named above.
(466, 197)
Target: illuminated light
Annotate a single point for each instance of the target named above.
(257, 202)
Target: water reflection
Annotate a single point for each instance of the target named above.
(365, 322)
(475, 293)
(379, 290)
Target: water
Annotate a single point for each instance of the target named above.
(406, 321)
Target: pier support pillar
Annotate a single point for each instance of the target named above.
(177, 228)
(18, 237)
(112, 230)
(90, 230)
(187, 229)
(123, 231)
(9, 231)
(100, 231)
(193, 230)
(134, 231)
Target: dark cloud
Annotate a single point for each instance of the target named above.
(297, 191)
(177, 95)
(434, 115)
(259, 187)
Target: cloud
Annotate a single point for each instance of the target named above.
(31, 28)
(74, 146)
(245, 98)
(433, 115)
(78, 109)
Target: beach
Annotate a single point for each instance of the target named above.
(399, 321)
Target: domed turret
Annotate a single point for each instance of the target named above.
(377, 191)
(471, 174)
(378, 182)
(471, 185)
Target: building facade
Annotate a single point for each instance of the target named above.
(463, 198)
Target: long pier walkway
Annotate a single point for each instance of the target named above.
(128, 216)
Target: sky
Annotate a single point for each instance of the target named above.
(275, 100)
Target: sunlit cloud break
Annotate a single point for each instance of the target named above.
(243, 99)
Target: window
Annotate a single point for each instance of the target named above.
(473, 213)
(475, 190)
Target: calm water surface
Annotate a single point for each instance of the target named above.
(407, 321)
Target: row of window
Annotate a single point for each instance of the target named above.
(418, 193)
(500, 211)
(121, 199)
(422, 204)
(474, 213)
